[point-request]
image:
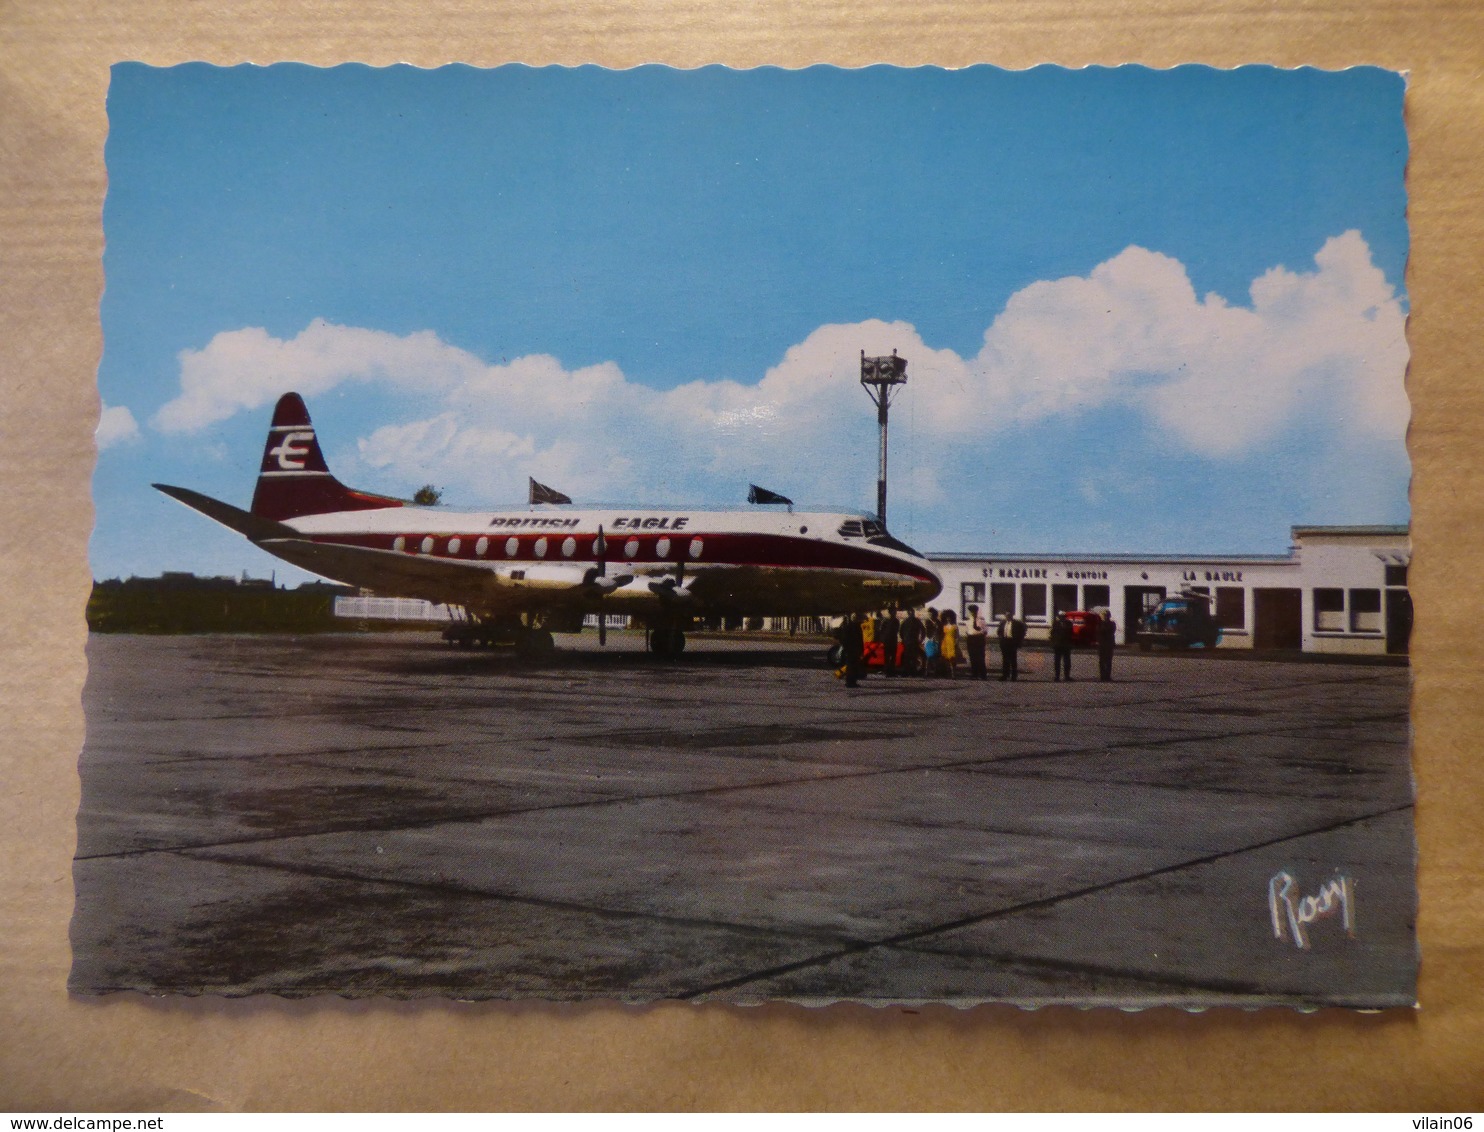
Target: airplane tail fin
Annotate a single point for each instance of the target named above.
(294, 479)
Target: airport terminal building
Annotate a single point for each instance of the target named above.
(1337, 590)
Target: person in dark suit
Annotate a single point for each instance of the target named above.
(1107, 640)
(1061, 647)
(910, 633)
(852, 646)
(886, 637)
(1011, 634)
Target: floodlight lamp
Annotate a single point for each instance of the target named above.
(883, 371)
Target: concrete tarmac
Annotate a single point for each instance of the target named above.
(382, 814)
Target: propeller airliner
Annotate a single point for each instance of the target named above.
(523, 573)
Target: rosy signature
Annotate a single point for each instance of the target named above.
(1293, 913)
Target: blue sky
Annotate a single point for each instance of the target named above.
(1143, 310)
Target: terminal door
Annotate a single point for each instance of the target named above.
(1398, 620)
(1277, 619)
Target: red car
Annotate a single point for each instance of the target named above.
(1084, 628)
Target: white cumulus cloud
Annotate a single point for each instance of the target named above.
(1323, 346)
(115, 426)
(249, 368)
(1216, 378)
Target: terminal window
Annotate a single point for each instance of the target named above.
(1063, 599)
(1329, 611)
(1365, 611)
(1231, 607)
(1033, 600)
(1096, 597)
(1002, 599)
(970, 593)
(1396, 575)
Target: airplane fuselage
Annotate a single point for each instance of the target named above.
(726, 562)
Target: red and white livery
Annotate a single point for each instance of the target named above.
(522, 572)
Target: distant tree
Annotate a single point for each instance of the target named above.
(427, 495)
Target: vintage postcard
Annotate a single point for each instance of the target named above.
(885, 535)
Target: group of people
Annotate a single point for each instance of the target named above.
(936, 644)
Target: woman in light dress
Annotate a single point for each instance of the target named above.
(950, 643)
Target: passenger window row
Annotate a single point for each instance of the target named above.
(663, 548)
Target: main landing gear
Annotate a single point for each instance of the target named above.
(666, 641)
(532, 642)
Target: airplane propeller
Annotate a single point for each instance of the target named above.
(597, 578)
(672, 589)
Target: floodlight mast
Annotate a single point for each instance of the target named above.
(880, 378)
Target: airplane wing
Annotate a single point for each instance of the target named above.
(395, 573)
(388, 572)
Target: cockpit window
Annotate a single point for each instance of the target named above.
(875, 534)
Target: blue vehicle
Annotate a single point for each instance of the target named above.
(1181, 621)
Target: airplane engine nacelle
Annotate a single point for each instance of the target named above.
(670, 592)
